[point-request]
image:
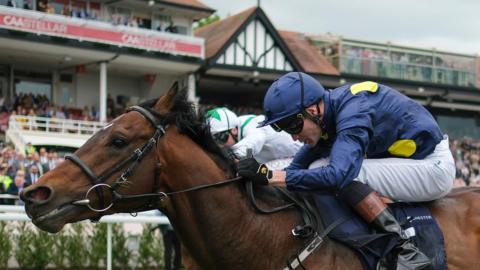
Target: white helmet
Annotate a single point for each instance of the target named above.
(221, 119)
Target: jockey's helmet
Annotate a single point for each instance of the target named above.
(289, 95)
(221, 119)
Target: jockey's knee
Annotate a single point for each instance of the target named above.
(443, 181)
(444, 185)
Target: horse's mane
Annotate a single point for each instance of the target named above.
(192, 124)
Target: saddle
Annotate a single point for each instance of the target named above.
(325, 215)
(417, 223)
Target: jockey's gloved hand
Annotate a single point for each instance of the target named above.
(259, 173)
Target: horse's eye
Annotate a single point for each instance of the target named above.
(118, 142)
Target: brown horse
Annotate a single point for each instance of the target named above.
(217, 225)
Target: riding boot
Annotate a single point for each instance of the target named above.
(370, 206)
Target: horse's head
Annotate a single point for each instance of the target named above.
(125, 155)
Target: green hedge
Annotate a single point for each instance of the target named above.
(78, 246)
(5, 245)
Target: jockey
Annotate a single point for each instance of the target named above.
(365, 137)
(241, 133)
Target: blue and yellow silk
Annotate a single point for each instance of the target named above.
(363, 120)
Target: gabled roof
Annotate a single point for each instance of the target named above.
(194, 4)
(218, 33)
(247, 40)
(306, 54)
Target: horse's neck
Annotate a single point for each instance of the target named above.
(221, 229)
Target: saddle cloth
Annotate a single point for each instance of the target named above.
(371, 247)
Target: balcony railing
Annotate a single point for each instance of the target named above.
(406, 71)
(53, 125)
(387, 60)
(100, 32)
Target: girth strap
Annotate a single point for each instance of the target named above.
(297, 260)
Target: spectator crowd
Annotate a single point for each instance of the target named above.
(466, 153)
(40, 105)
(439, 69)
(19, 170)
(92, 11)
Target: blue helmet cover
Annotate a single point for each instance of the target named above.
(283, 97)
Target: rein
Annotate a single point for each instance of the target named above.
(221, 183)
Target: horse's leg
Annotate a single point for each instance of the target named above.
(459, 219)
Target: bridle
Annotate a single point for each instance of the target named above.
(133, 161)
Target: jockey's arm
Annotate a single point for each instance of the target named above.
(306, 155)
(254, 139)
(303, 158)
(346, 159)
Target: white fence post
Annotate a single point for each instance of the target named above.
(109, 246)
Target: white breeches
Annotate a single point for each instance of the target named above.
(409, 180)
(279, 164)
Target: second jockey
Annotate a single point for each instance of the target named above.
(241, 133)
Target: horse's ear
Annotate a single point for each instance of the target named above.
(165, 102)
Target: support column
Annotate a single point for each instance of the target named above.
(103, 92)
(192, 89)
(11, 85)
(55, 87)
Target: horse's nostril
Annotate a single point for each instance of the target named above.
(39, 194)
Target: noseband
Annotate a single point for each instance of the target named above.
(134, 159)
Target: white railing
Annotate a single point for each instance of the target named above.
(53, 125)
(8, 196)
(17, 213)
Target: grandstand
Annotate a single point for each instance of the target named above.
(69, 67)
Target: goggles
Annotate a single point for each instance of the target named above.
(292, 124)
(221, 137)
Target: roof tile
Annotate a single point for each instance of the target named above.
(309, 58)
(190, 3)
